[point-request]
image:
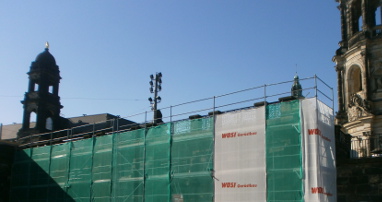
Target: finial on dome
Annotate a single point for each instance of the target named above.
(46, 45)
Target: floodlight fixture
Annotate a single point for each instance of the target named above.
(155, 87)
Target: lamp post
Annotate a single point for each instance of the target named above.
(155, 87)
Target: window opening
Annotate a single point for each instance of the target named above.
(32, 120)
(49, 124)
(51, 89)
(360, 23)
(378, 20)
(355, 80)
(356, 16)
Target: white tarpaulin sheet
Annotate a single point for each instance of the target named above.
(319, 148)
(240, 173)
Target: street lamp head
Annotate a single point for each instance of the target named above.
(159, 74)
(150, 99)
(151, 83)
(151, 77)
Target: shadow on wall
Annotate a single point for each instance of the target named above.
(31, 180)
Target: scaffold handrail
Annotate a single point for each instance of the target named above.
(265, 93)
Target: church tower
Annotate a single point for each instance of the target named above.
(359, 68)
(42, 100)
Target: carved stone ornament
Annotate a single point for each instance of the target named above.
(358, 107)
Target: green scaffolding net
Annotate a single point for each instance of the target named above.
(174, 162)
(192, 161)
(102, 168)
(21, 175)
(157, 185)
(129, 158)
(80, 169)
(283, 152)
(170, 162)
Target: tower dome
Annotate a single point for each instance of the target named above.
(45, 57)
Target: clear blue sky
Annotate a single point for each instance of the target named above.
(106, 50)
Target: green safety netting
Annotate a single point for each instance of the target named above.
(59, 173)
(157, 170)
(102, 168)
(80, 169)
(128, 169)
(37, 173)
(169, 162)
(21, 175)
(283, 152)
(192, 161)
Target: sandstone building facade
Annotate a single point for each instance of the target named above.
(359, 72)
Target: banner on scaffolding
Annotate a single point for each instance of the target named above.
(240, 156)
(319, 157)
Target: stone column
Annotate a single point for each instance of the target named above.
(339, 70)
(364, 9)
(344, 26)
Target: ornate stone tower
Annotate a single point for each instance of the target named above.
(42, 98)
(359, 68)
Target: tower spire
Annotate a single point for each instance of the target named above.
(296, 90)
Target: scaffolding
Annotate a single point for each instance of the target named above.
(280, 151)
(242, 99)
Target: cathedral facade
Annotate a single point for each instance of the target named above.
(359, 71)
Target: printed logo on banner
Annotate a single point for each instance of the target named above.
(236, 134)
(237, 185)
(318, 132)
(320, 190)
(319, 146)
(239, 137)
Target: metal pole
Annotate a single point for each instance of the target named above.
(155, 107)
(117, 126)
(170, 114)
(265, 93)
(155, 87)
(315, 85)
(144, 159)
(214, 106)
(332, 100)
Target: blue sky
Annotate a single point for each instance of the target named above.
(106, 50)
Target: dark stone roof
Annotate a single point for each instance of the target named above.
(8, 132)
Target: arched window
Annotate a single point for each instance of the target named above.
(32, 120)
(356, 15)
(355, 80)
(49, 123)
